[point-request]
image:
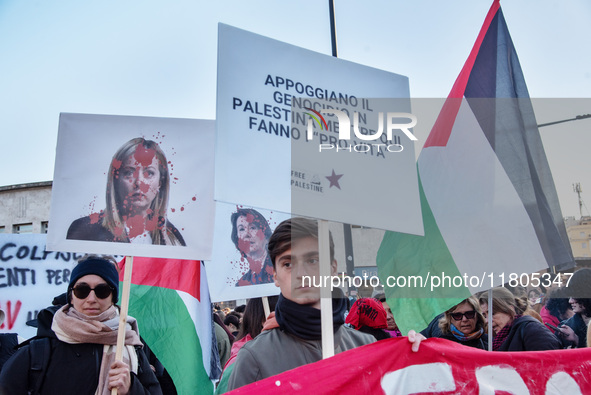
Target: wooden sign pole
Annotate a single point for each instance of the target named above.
(266, 308)
(325, 294)
(123, 314)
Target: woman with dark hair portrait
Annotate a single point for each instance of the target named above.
(138, 184)
(250, 235)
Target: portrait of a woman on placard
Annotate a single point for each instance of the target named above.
(138, 184)
(250, 234)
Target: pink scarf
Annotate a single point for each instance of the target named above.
(73, 327)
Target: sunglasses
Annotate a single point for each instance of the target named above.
(468, 314)
(102, 291)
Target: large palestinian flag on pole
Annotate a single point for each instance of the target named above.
(489, 204)
(170, 300)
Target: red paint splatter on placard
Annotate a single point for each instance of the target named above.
(144, 187)
(94, 218)
(152, 223)
(244, 245)
(255, 265)
(136, 225)
(182, 208)
(143, 155)
(240, 268)
(269, 270)
(118, 231)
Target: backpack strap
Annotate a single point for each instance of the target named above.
(39, 355)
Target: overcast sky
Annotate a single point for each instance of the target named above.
(156, 58)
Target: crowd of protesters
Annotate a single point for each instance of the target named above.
(266, 337)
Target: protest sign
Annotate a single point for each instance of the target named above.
(356, 164)
(258, 81)
(240, 266)
(133, 186)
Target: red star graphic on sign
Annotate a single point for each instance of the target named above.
(334, 179)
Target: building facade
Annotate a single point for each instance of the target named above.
(24, 208)
(579, 235)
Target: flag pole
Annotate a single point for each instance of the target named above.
(333, 28)
(323, 243)
(325, 294)
(123, 314)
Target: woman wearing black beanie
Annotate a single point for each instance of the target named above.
(83, 342)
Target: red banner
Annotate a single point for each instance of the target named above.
(440, 367)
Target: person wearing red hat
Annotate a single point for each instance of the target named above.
(368, 316)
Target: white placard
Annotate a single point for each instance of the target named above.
(110, 193)
(240, 267)
(364, 177)
(257, 79)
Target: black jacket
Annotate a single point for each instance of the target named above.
(577, 324)
(8, 343)
(529, 334)
(72, 368)
(433, 330)
(85, 229)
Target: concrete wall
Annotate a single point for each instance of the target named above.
(25, 203)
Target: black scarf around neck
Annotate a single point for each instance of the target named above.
(303, 321)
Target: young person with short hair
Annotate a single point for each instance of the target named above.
(296, 339)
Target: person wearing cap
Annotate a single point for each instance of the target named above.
(367, 315)
(392, 328)
(83, 342)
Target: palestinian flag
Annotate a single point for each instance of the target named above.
(170, 300)
(489, 204)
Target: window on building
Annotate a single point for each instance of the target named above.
(44, 226)
(584, 245)
(22, 228)
(582, 234)
(2, 229)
